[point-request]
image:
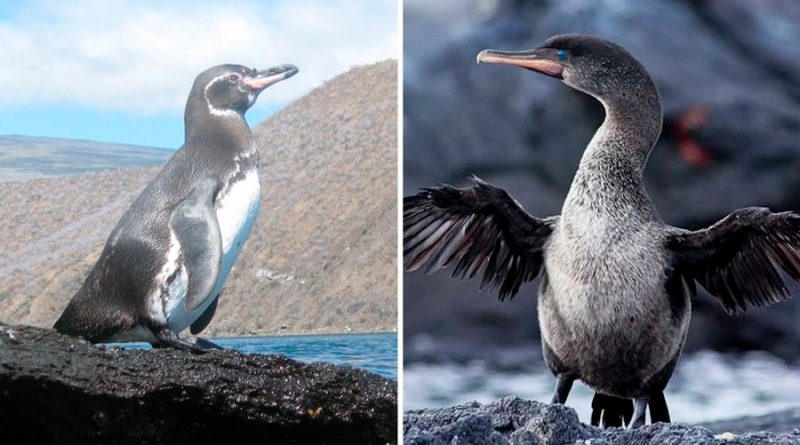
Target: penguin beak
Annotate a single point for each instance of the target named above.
(541, 60)
(270, 76)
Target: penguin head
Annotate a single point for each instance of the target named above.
(591, 64)
(228, 89)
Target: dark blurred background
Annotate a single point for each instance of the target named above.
(729, 75)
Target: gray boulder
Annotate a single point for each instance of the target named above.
(515, 421)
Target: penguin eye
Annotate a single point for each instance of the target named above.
(234, 77)
(562, 54)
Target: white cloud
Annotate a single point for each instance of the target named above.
(142, 56)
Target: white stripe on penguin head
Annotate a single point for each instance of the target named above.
(211, 108)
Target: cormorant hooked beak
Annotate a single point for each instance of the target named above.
(270, 76)
(542, 60)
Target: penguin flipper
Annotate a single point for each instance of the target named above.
(195, 225)
(205, 318)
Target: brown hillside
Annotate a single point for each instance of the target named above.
(321, 258)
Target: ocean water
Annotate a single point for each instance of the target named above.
(706, 386)
(376, 353)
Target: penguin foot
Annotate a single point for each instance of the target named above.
(206, 345)
(167, 338)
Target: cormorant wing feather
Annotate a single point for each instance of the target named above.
(194, 223)
(478, 227)
(739, 258)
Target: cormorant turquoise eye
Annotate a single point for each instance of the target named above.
(562, 54)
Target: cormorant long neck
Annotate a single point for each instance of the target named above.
(631, 127)
(609, 178)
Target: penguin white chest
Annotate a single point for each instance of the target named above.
(237, 209)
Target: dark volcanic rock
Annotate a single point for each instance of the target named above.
(57, 389)
(519, 422)
(734, 64)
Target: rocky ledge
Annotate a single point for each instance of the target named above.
(58, 389)
(519, 422)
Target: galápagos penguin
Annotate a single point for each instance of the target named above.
(165, 263)
(614, 301)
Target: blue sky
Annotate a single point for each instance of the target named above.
(120, 70)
